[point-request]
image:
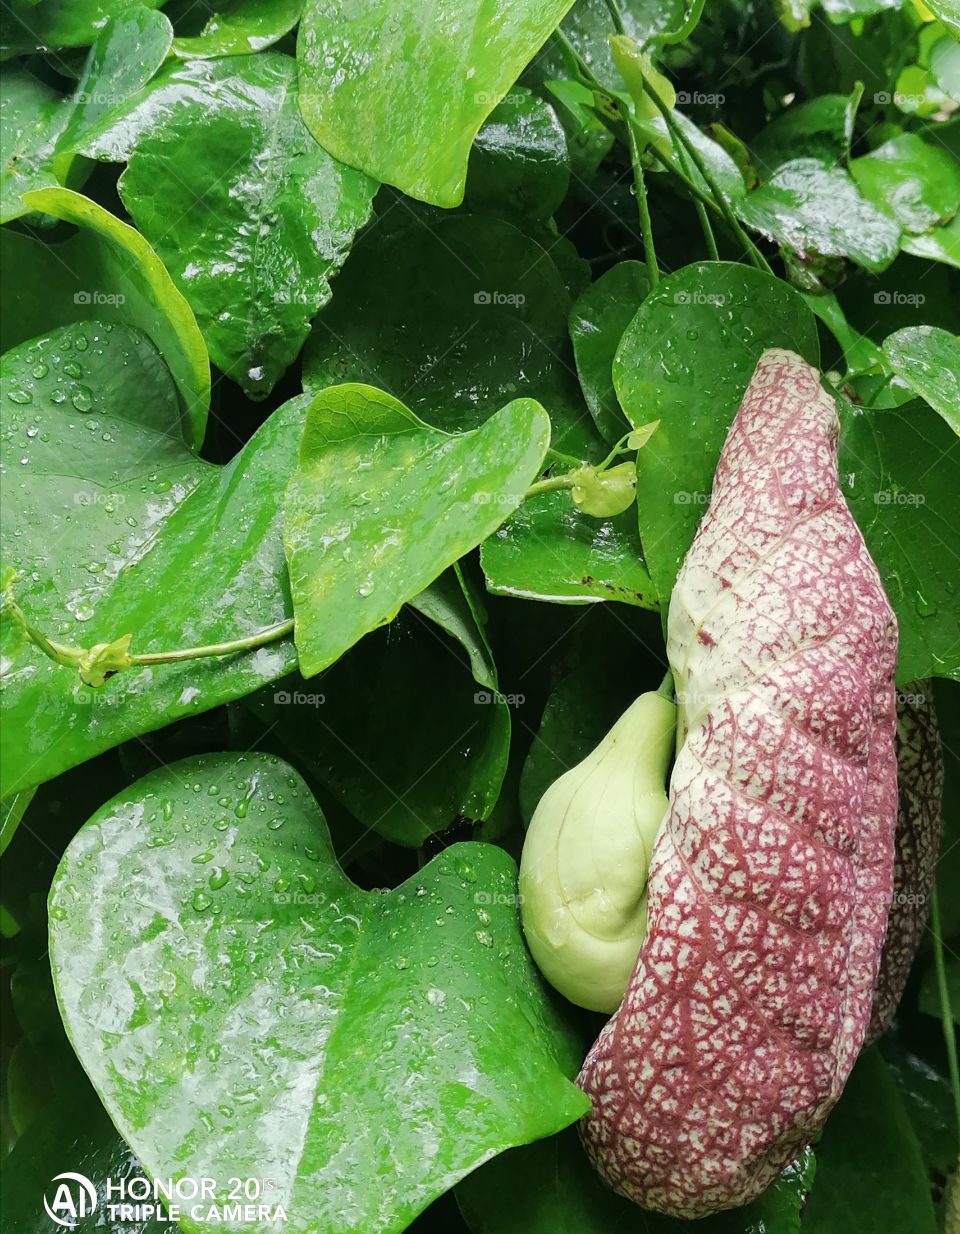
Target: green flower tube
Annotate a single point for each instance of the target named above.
(583, 873)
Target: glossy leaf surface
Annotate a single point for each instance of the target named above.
(267, 1018)
(927, 359)
(239, 27)
(107, 271)
(381, 504)
(249, 214)
(454, 317)
(136, 536)
(685, 360)
(400, 88)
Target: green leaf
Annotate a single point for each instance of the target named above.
(948, 12)
(941, 244)
(597, 322)
(859, 352)
(686, 359)
(455, 316)
(108, 271)
(400, 88)
(817, 211)
(549, 550)
(519, 164)
(929, 995)
(549, 1188)
(12, 810)
(381, 504)
(249, 214)
(588, 28)
(591, 692)
(126, 55)
(268, 1018)
(429, 676)
(900, 474)
(136, 536)
(870, 1174)
(74, 1132)
(914, 182)
(820, 129)
(32, 117)
(925, 1092)
(33, 26)
(723, 170)
(239, 27)
(927, 360)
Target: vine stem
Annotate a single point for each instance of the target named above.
(680, 137)
(946, 1012)
(616, 16)
(550, 485)
(643, 207)
(260, 639)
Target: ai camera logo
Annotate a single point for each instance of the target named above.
(73, 1196)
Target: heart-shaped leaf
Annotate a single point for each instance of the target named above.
(107, 271)
(244, 1010)
(400, 88)
(38, 25)
(914, 182)
(136, 536)
(382, 503)
(251, 217)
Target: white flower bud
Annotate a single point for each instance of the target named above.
(583, 873)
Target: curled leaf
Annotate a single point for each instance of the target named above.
(604, 493)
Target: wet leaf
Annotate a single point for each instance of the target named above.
(597, 322)
(239, 27)
(455, 317)
(428, 675)
(381, 504)
(519, 164)
(136, 536)
(913, 181)
(549, 550)
(406, 1041)
(817, 211)
(381, 91)
(37, 25)
(250, 215)
(107, 271)
(927, 359)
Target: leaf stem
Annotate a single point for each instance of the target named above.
(946, 1012)
(708, 236)
(690, 23)
(550, 485)
(679, 136)
(643, 207)
(270, 634)
(616, 16)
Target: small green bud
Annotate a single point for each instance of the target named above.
(635, 67)
(102, 660)
(583, 872)
(605, 493)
